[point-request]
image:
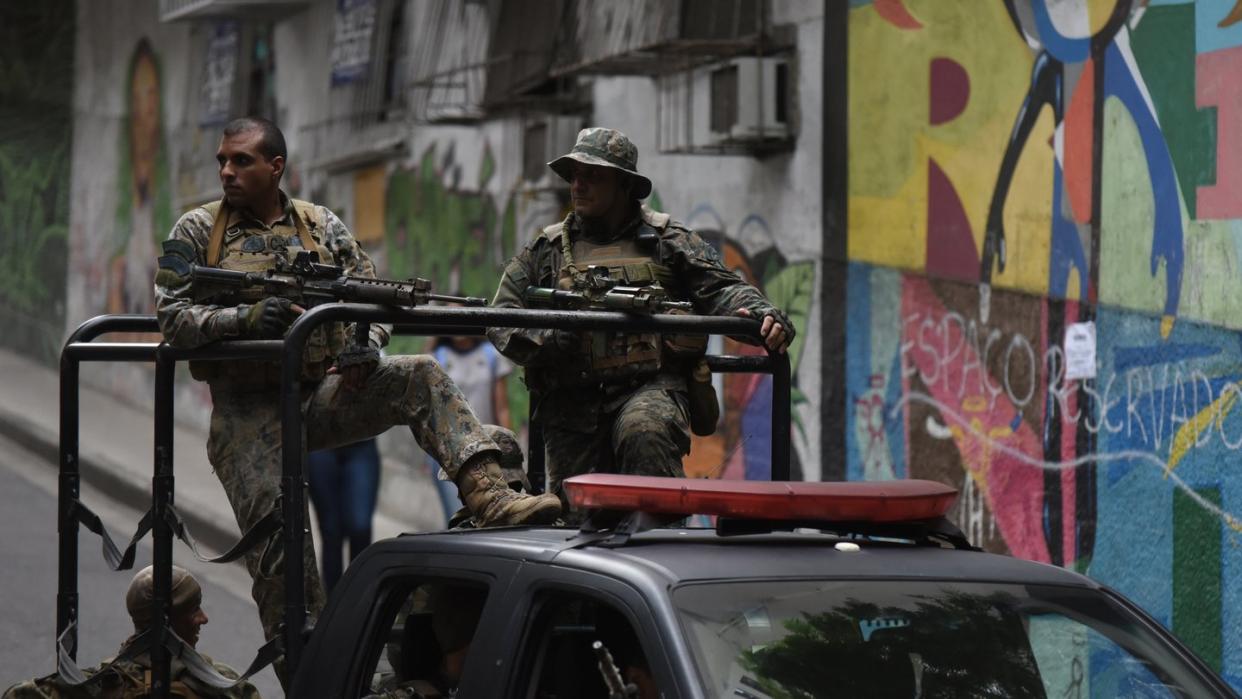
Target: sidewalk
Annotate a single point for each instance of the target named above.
(117, 453)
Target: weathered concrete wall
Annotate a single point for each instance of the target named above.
(36, 120)
(1117, 188)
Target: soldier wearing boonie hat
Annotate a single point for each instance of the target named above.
(610, 402)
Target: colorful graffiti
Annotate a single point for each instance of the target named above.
(1056, 163)
(36, 123)
(144, 203)
(741, 446)
(458, 237)
(937, 392)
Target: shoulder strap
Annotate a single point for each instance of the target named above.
(220, 211)
(307, 214)
(656, 219)
(553, 231)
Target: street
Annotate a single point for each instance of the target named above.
(28, 582)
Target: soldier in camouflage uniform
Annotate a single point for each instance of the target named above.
(130, 677)
(349, 393)
(619, 403)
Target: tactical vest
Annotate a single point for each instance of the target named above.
(243, 249)
(131, 683)
(632, 260)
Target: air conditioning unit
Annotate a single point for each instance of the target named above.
(748, 100)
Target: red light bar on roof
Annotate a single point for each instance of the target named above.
(851, 501)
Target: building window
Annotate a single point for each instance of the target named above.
(535, 152)
(261, 86)
(394, 63)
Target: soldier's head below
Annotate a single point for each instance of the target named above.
(602, 172)
(252, 160)
(186, 617)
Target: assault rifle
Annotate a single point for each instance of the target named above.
(603, 294)
(305, 280)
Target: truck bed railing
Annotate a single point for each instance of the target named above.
(422, 320)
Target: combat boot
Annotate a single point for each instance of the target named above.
(486, 494)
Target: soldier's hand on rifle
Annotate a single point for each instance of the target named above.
(565, 341)
(777, 332)
(269, 318)
(354, 365)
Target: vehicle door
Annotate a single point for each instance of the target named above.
(562, 614)
(410, 626)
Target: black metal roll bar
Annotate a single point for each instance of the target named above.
(423, 320)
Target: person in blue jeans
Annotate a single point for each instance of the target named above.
(344, 485)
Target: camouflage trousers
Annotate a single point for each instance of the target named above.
(244, 449)
(647, 435)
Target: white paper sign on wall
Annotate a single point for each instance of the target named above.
(1080, 351)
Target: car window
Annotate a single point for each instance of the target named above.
(911, 638)
(423, 638)
(559, 659)
(1065, 648)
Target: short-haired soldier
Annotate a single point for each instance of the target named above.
(349, 392)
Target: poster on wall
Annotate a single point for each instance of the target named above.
(219, 71)
(351, 43)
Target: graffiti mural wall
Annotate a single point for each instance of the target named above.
(741, 447)
(1017, 168)
(36, 126)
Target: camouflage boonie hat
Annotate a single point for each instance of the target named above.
(605, 148)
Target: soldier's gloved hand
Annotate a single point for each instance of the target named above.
(777, 330)
(269, 318)
(354, 365)
(565, 341)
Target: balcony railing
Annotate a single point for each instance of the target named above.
(185, 10)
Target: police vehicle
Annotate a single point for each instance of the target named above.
(857, 589)
(670, 588)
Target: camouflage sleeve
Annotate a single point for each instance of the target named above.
(355, 261)
(525, 346)
(184, 322)
(714, 289)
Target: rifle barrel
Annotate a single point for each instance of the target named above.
(463, 300)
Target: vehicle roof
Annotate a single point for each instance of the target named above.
(679, 555)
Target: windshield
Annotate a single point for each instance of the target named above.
(883, 638)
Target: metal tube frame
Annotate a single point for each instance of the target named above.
(423, 320)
